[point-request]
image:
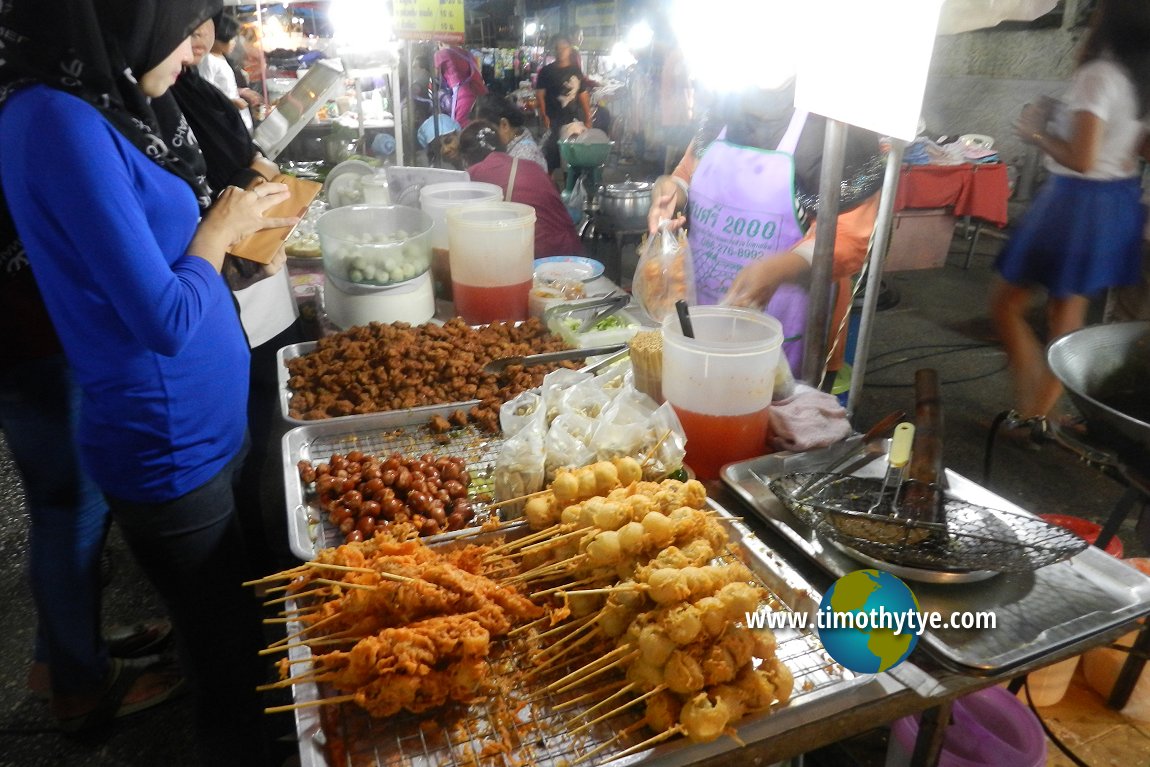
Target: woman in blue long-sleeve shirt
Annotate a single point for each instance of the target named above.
(105, 209)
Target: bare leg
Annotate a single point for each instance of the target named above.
(1008, 306)
(1063, 315)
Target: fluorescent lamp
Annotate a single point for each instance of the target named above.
(869, 62)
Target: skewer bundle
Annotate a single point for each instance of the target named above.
(651, 591)
(397, 625)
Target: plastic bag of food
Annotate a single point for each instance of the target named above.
(664, 444)
(622, 427)
(519, 468)
(517, 413)
(585, 398)
(566, 443)
(555, 385)
(664, 273)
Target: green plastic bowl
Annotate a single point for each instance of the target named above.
(585, 155)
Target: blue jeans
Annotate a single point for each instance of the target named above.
(192, 550)
(39, 405)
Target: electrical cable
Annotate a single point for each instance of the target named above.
(1053, 738)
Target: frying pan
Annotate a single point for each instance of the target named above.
(1106, 372)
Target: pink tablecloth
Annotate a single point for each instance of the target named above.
(973, 190)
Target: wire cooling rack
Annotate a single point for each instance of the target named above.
(972, 537)
(516, 724)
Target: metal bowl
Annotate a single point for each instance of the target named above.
(1106, 372)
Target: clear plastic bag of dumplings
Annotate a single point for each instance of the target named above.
(555, 385)
(520, 411)
(586, 398)
(622, 428)
(519, 468)
(664, 444)
(567, 443)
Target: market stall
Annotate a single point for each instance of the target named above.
(510, 560)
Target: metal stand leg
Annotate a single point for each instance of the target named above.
(973, 241)
(1114, 521)
(931, 733)
(1131, 670)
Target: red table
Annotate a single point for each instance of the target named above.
(976, 190)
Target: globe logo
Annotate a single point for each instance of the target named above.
(868, 621)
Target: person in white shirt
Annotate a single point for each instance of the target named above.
(214, 66)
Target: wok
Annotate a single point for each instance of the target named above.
(1106, 372)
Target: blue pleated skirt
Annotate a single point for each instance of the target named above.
(1079, 237)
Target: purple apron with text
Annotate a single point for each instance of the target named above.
(743, 209)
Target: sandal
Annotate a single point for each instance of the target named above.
(136, 641)
(122, 676)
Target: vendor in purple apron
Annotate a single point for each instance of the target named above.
(749, 183)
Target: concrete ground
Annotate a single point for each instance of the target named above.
(940, 320)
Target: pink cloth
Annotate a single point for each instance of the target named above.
(555, 233)
(808, 419)
(458, 70)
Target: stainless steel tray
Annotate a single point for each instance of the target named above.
(1037, 613)
(379, 434)
(415, 415)
(460, 733)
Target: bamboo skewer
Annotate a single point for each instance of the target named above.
(281, 575)
(341, 568)
(620, 662)
(589, 695)
(621, 691)
(666, 734)
(310, 704)
(305, 630)
(345, 584)
(618, 710)
(588, 625)
(527, 626)
(582, 674)
(621, 734)
(608, 590)
(554, 589)
(330, 639)
(281, 600)
(553, 569)
(567, 626)
(647, 458)
(314, 676)
(519, 541)
(517, 499)
(544, 655)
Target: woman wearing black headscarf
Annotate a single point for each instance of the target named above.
(104, 208)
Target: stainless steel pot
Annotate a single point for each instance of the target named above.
(625, 204)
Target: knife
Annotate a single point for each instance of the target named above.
(499, 365)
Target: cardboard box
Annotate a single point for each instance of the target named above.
(919, 239)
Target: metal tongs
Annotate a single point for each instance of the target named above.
(897, 459)
(603, 307)
(497, 366)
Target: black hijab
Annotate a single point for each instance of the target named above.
(94, 50)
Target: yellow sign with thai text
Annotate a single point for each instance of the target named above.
(440, 20)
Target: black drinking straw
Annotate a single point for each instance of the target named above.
(684, 318)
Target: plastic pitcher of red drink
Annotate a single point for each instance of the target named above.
(720, 383)
(492, 257)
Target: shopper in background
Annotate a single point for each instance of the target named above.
(511, 125)
(216, 69)
(751, 179)
(463, 80)
(1083, 231)
(563, 97)
(521, 181)
(107, 214)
